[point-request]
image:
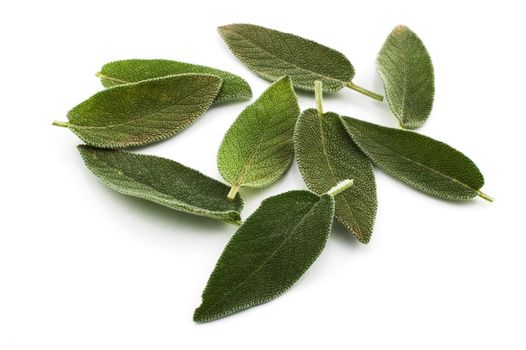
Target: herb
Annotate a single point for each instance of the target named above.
(162, 181)
(406, 69)
(132, 71)
(141, 113)
(269, 252)
(273, 54)
(426, 164)
(257, 149)
(326, 155)
(151, 100)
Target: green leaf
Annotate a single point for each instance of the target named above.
(269, 252)
(426, 164)
(257, 149)
(141, 113)
(162, 181)
(134, 70)
(406, 69)
(272, 54)
(326, 155)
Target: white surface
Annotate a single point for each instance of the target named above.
(82, 267)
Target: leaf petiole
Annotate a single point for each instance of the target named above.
(318, 94)
(364, 91)
(233, 191)
(340, 187)
(61, 124)
(485, 196)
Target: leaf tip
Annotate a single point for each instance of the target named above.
(399, 29)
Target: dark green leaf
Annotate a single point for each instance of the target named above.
(326, 155)
(145, 112)
(268, 253)
(257, 149)
(134, 70)
(273, 54)
(162, 181)
(406, 69)
(426, 164)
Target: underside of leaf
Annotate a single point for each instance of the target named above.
(162, 181)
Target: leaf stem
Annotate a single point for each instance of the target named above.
(233, 191)
(61, 124)
(364, 91)
(340, 187)
(485, 196)
(318, 94)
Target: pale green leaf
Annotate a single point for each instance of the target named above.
(134, 70)
(258, 148)
(326, 155)
(272, 54)
(140, 113)
(268, 253)
(162, 181)
(406, 69)
(426, 164)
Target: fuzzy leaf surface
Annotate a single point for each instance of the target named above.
(407, 71)
(426, 164)
(258, 148)
(140, 113)
(162, 181)
(272, 54)
(326, 156)
(134, 70)
(268, 253)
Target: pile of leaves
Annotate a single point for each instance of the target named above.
(147, 101)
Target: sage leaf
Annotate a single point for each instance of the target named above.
(162, 181)
(134, 70)
(406, 69)
(426, 164)
(326, 155)
(269, 252)
(272, 54)
(140, 113)
(258, 148)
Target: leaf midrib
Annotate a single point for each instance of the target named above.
(117, 80)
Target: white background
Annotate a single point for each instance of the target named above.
(83, 267)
